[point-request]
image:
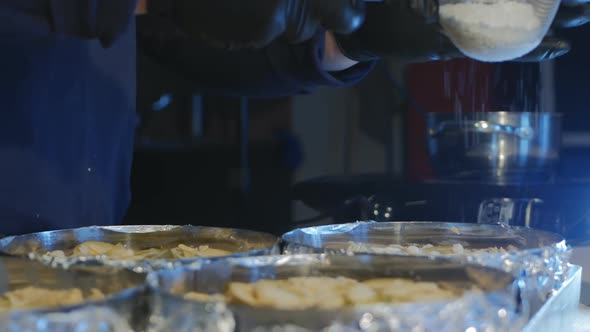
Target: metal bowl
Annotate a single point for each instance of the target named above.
(240, 242)
(541, 258)
(496, 307)
(504, 145)
(124, 307)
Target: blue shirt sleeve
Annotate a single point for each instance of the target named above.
(281, 69)
(102, 19)
(88, 19)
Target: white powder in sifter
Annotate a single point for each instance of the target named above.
(492, 31)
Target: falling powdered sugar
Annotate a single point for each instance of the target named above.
(492, 31)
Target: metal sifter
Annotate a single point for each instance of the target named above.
(497, 30)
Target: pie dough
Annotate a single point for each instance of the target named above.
(300, 293)
(121, 252)
(426, 249)
(35, 298)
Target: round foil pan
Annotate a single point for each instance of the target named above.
(541, 258)
(123, 309)
(495, 309)
(240, 242)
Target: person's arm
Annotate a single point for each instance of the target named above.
(239, 24)
(333, 60)
(279, 69)
(86, 19)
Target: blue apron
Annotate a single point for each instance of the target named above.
(67, 119)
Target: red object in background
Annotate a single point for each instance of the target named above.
(441, 87)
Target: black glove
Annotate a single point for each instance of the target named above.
(572, 15)
(405, 29)
(255, 23)
(408, 30)
(550, 48)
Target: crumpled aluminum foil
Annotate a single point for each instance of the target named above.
(493, 311)
(34, 246)
(451, 317)
(173, 315)
(120, 311)
(541, 262)
(87, 319)
(543, 271)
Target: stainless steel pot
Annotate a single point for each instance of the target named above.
(494, 144)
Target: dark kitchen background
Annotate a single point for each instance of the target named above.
(333, 148)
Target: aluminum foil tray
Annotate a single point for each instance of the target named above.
(493, 310)
(541, 259)
(122, 310)
(557, 312)
(241, 242)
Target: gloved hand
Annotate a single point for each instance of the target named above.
(408, 30)
(405, 29)
(571, 15)
(234, 24)
(550, 48)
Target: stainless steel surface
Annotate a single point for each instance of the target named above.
(240, 242)
(554, 314)
(124, 307)
(494, 144)
(481, 309)
(510, 212)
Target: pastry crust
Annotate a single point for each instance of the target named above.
(121, 252)
(35, 298)
(300, 293)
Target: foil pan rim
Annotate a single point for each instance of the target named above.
(333, 229)
(271, 244)
(138, 229)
